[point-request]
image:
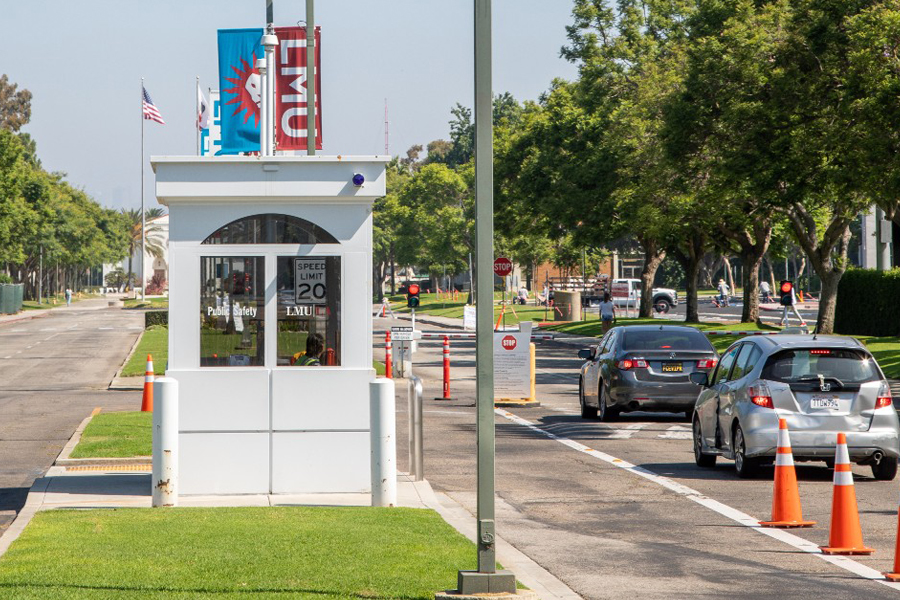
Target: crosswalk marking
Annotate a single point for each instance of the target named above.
(626, 433)
(676, 432)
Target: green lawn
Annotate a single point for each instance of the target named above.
(154, 341)
(116, 435)
(231, 553)
(148, 303)
(431, 305)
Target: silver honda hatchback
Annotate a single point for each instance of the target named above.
(822, 385)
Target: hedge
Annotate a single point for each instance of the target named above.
(156, 317)
(867, 303)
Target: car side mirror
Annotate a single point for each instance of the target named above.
(585, 354)
(700, 378)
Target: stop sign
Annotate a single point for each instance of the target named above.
(502, 266)
(508, 343)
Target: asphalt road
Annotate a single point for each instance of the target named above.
(54, 370)
(708, 312)
(610, 532)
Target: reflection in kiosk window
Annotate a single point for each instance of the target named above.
(309, 310)
(232, 311)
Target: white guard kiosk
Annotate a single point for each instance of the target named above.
(270, 320)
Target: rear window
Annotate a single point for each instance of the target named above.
(665, 340)
(792, 366)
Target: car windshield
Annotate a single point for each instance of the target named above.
(848, 366)
(665, 340)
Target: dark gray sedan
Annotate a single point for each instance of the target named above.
(643, 367)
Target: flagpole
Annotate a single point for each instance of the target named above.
(143, 296)
(197, 115)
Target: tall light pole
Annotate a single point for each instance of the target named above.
(310, 78)
(486, 579)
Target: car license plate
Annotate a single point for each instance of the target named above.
(822, 402)
(672, 367)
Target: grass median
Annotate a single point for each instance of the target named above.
(154, 341)
(223, 553)
(116, 435)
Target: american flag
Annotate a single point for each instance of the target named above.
(150, 110)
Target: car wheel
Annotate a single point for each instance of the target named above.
(605, 412)
(702, 459)
(745, 467)
(587, 412)
(662, 306)
(886, 470)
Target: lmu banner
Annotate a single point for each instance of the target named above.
(291, 89)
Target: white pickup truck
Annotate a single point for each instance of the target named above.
(663, 298)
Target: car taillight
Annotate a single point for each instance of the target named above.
(632, 363)
(706, 363)
(883, 402)
(760, 394)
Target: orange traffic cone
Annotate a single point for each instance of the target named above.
(147, 403)
(786, 511)
(845, 536)
(895, 574)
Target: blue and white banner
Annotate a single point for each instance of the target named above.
(239, 85)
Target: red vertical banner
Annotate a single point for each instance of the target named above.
(291, 90)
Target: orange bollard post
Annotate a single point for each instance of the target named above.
(329, 357)
(845, 536)
(388, 356)
(147, 401)
(786, 510)
(446, 352)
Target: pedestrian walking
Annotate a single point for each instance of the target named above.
(68, 297)
(607, 312)
(789, 302)
(724, 291)
(766, 291)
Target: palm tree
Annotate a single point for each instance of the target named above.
(153, 242)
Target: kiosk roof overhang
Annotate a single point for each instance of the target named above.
(198, 179)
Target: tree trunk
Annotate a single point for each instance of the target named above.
(771, 271)
(691, 262)
(828, 301)
(729, 278)
(653, 256)
(752, 259)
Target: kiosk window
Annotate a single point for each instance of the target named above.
(232, 301)
(270, 229)
(309, 311)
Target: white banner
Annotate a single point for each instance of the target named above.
(512, 363)
(468, 317)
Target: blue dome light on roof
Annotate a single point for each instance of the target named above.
(358, 179)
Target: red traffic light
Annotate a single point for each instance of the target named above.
(413, 289)
(786, 287)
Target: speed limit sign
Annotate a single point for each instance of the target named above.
(309, 281)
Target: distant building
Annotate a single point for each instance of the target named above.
(151, 265)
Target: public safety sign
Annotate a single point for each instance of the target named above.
(291, 90)
(512, 363)
(310, 286)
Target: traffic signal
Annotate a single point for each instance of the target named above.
(412, 295)
(787, 291)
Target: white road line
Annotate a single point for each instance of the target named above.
(17, 330)
(105, 328)
(7, 357)
(676, 432)
(739, 517)
(626, 433)
(51, 337)
(49, 329)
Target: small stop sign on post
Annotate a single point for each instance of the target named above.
(508, 343)
(502, 266)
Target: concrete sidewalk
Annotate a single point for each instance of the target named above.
(86, 304)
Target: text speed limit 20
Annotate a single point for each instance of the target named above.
(309, 281)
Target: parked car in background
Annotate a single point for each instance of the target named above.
(821, 385)
(643, 367)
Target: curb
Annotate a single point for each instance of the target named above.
(121, 387)
(33, 504)
(537, 578)
(76, 437)
(26, 316)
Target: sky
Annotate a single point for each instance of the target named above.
(83, 61)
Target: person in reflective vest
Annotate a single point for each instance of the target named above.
(315, 345)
